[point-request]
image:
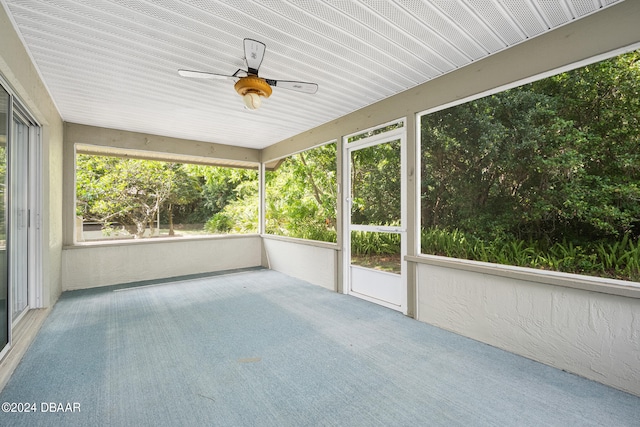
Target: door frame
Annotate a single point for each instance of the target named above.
(19, 244)
(35, 202)
(399, 133)
(34, 207)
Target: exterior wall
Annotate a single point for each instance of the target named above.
(95, 265)
(314, 262)
(592, 334)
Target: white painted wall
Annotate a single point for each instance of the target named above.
(314, 262)
(592, 334)
(94, 265)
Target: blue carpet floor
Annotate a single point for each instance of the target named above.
(258, 348)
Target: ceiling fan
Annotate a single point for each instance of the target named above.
(248, 84)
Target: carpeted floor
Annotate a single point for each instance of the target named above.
(258, 348)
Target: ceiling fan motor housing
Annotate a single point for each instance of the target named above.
(253, 84)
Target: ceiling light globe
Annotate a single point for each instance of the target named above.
(252, 100)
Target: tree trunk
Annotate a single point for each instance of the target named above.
(170, 213)
(141, 226)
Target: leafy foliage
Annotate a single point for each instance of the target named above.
(375, 184)
(129, 191)
(618, 260)
(372, 243)
(132, 192)
(541, 171)
(301, 195)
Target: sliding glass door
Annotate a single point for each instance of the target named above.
(4, 289)
(20, 240)
(19, 216)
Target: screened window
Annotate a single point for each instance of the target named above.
(545, 175)
(301, 195)
(125, 198)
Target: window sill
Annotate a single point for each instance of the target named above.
(555, 278)
(157, 240)
(316, 243)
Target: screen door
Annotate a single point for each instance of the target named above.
(376, 233)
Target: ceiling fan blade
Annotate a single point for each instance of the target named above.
(203, 75)
(292, 85)
(253, 54)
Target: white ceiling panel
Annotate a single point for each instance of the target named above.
(113, 63)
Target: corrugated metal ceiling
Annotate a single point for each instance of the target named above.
(114, 63)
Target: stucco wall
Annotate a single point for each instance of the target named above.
(314, 262)
(592, 334)
(89, 266)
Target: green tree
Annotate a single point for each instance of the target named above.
(602, 102)
(376, 185)
(130, 192)
(554, 159)
(184, 188)
(301, 195)
(231, 195)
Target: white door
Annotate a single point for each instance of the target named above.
(376, 246)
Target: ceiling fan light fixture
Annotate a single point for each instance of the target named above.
(252, 100)
(253, 89)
